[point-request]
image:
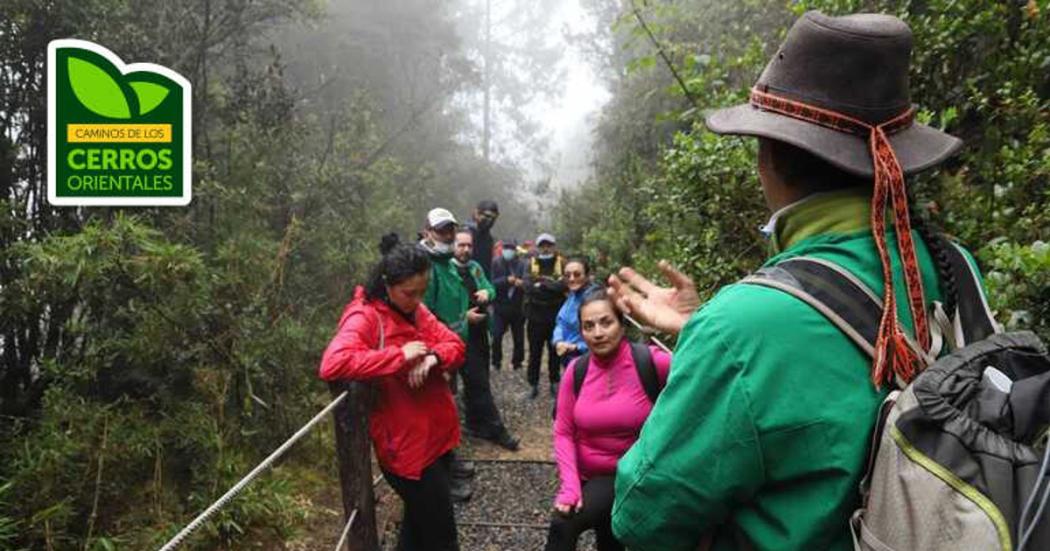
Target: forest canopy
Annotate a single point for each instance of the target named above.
(150, 357)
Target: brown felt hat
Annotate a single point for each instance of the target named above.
(856, 65)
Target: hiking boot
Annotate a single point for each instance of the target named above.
(534, 392)
(462, 469)
(460, 490)
(506, 441)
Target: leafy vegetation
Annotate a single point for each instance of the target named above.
(979, 71)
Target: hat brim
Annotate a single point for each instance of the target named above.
(918, 148)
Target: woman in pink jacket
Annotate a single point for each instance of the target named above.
(598, 421)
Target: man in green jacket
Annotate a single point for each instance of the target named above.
(445, 295)
(481, 416)
(760, 437)
(448, 299)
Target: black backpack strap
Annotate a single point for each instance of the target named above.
(643, 362)
(579, 372)
(831, 290)
(975, 321)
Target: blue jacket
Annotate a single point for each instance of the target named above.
(567, 328)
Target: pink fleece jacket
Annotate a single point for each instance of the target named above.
(593, 430)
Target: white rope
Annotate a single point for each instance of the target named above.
(651, 337)
(346, 531)
(214, 507)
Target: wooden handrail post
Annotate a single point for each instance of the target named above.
(353, 450)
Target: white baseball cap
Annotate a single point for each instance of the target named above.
(438, 218)
(545, 238)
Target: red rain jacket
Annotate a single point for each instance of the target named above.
(410, 428)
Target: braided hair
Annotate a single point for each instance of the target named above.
(938, 246)
(399, 262)
(802, 169)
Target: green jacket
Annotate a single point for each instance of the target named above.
(762, 430)
(447, 298)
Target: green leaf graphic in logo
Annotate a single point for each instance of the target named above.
(96, 90)
(150, 95)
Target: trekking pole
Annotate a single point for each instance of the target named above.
(653, 338)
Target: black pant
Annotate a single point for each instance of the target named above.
(428, 521)
(482, 416)
(516, 322)
(596, 513)
(540, 332)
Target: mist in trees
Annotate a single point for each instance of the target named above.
(150, 357)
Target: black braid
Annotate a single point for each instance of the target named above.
(938, 245)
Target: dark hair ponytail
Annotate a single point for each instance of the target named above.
(938, 247)
(400, 261)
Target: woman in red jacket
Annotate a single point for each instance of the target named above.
(388, 337)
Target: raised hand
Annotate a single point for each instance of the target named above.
(665, 308)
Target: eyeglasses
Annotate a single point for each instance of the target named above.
(573, 275)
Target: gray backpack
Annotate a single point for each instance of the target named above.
(955, 460)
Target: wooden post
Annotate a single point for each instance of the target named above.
(353, 450)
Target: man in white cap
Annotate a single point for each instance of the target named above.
(544, 294)
(447, 298)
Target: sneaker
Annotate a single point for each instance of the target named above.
(507, 442)
(460, 490)
(463, 469)
(534, 392)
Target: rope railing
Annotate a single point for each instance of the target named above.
(196, 523)
(346, 531)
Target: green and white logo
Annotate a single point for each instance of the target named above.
(118, 134)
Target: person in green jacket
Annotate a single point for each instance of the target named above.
(448, 299)
(445, 297)
(759, 439)
(482, 418)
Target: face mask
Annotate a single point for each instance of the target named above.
(486, 223)
(546, 256)
(441, 248)
(508, 254)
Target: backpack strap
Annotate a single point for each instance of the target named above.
(579, 372)
(643, 362)
(973, 320)
(831, 290)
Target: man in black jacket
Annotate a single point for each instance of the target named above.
(485, 216)
(544, 293)
(508, 276)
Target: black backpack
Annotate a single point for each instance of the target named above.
(954, 461)
(643, 363)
